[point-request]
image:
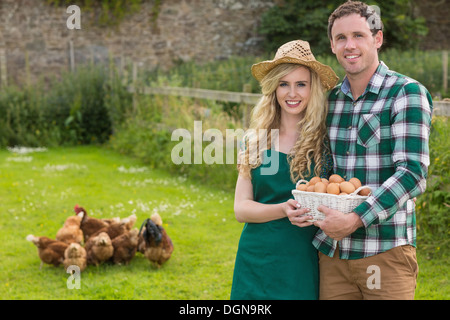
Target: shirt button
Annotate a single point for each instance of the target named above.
(349, 127)
(348, 152)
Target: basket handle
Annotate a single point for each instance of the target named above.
(300, 181)
(359, 189)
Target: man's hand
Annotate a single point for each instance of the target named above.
(338, 225)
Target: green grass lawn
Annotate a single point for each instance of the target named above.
(39, 190)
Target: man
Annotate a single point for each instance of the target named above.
(378, 123)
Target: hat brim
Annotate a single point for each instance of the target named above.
(327, 76)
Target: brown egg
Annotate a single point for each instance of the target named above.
(364, 192)
(355, 182)
(314, 180)
(320, 187)
(343, 194)
(336, 178)
(302, 187)
(347, 187)
(310, 189)
(333, 188)
(325, 181)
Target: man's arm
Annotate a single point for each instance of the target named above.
(411, 121)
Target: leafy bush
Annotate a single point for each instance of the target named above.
(76, 105)
(78, 108)
(433, 206)
(21, 117)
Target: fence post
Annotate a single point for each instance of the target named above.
(27, 68)
(125, 71)
(445, 70)
(122, 66)
(71, 56)
(3, 71)
(134, 81)
(247, 88)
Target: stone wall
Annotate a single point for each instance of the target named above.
(35, 41)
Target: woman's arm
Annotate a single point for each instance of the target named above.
(248, 210)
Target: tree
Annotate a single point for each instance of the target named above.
(308, 20)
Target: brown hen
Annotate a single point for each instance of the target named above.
(89, 225)
(99, 249)
(125, 247)
(71, 231)
(76, 255)
(50, 251)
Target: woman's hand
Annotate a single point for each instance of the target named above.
(297, 216)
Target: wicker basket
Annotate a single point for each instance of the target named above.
(343, 203)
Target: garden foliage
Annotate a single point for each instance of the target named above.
(292, 19)
(433, 207)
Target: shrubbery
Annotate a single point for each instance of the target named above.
(79, 108)
(433, 207)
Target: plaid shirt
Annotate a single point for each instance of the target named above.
(382, 139)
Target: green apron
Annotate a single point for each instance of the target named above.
(275, 260)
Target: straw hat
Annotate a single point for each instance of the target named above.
(297, 52)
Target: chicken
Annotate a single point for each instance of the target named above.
(89, 225)
(154, 242)
(71, 231)
(93, 226)
(115, 229)
(156, 218)
(125, 246)
(99, 249)
(130, 221)
(50, 251)
(76, 255)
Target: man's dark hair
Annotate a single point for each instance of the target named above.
(351, 7)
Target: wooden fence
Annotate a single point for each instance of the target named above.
(245, 98)
(228, 96)
(440, 108)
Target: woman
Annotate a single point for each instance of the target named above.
(275, 258)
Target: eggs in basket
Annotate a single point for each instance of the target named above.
(334, 185)
(335, 193)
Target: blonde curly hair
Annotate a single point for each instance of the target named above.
(265, 119)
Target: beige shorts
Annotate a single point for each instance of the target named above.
(390, 275)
